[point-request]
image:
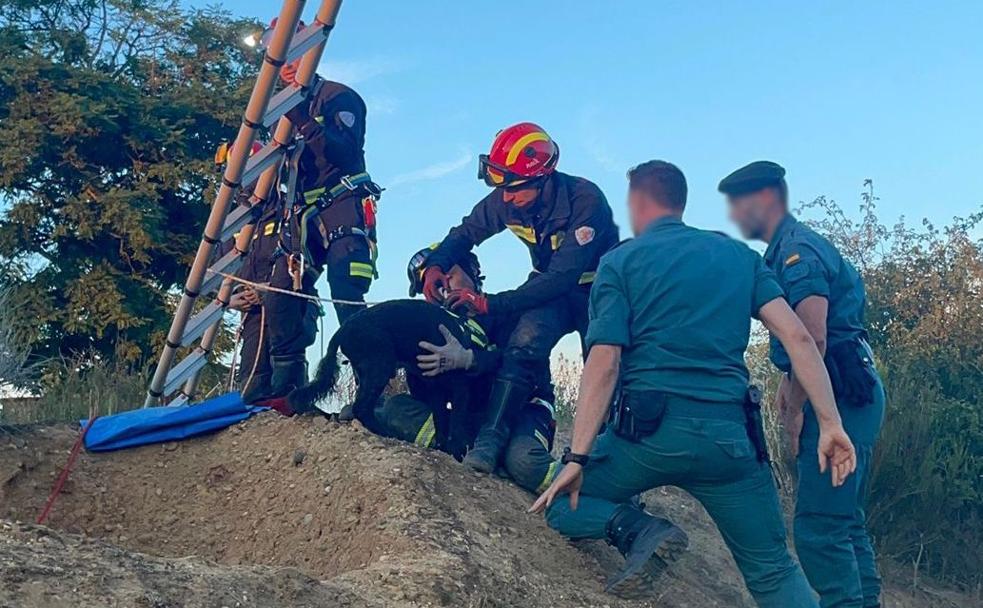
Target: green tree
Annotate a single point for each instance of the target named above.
(110, 112)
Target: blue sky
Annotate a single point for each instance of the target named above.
(835, 91)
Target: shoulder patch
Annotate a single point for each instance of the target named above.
(346, 118)
(584, 235)
(792, 259)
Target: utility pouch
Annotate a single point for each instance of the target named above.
(639, 414)
(854, 378)
(754, 424)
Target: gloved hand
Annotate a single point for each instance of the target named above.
(452, 355)
(434, 279)
(468, 299)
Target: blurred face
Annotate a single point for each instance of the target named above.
(638, 211)
(458, 279)
(520, 197)
(752, 212)
(289, 72)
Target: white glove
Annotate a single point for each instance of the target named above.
(444, 358)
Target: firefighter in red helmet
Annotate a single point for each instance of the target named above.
(567, 225)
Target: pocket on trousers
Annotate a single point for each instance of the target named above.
(738, 450)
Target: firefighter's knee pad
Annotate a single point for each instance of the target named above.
(403, 417)
(528, 462)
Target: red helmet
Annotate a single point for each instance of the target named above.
(520, 153)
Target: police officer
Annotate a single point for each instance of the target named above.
(528, 456)
(672, 309)
(828, 295)
(331, 222)
(566, 223)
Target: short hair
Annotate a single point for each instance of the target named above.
(662, 181)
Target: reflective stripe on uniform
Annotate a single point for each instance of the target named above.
(587, 277)
(542, 439)
(543, 402)
(556, 240)
(427, 433)
(526, 233)
(360, 269)
(548, 479)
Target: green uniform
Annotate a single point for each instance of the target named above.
(679, 301)
(830, 524)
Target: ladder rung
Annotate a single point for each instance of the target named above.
(281, 103)
(228, 264)
(198, 324)
(181, 399)
(183, 370)
(234, 222)
(261, 161)
(305, 40)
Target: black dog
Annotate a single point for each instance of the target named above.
(380, 340)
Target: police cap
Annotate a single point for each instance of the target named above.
(751, 178)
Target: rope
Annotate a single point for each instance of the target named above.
(230, 383)
(288, 292)
(72, 456)
(259, 349)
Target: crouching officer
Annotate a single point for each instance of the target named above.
(828, 295)
(528, 460)
(672, 309)
(566, 223)
(330, 222)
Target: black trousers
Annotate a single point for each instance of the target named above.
(292, 321)
(253, 375)
(526, 357)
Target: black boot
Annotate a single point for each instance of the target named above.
(257, 389)
(289, 372)
(649, 544)
(506, 397)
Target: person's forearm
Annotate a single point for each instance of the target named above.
(795, 395)
(810, 373)
(596, 388)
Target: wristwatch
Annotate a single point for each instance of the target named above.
(569, 457)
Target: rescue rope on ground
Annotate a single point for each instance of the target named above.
(296, 294)
(63, 477)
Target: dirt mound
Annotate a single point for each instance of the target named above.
(293, 511)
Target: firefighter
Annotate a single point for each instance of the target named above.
(567, 225)
(527, 460)
(330, 222)
(254, 372)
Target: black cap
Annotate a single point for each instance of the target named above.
(751, 178)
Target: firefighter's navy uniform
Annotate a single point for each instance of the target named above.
(528, 460)
(331, 223)
(567, 230)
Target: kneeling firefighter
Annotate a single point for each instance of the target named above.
(330, 207)
(567, 225)
(527, 459)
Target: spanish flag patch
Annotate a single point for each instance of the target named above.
(792, 259)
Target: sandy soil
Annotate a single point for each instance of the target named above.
(304, 512)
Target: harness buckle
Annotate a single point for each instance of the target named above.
(346, 181)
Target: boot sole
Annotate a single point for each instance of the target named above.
(640, 582)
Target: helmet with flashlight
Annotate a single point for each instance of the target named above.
(521, 153)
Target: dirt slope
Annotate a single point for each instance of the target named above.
(298, 512)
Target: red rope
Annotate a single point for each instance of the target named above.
(56, 489)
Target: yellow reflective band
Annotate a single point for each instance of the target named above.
(542, 439)
(520, 145)
(548, 479)
(543, 402)
(792, 259)
(526, 233)
(269, 228)
(426, 434)
(360, 269)
(319, 119)
(587, 277)
(556, 240)
(477, 333)
(311, 197)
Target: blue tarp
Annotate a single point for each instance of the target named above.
(168, 423)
